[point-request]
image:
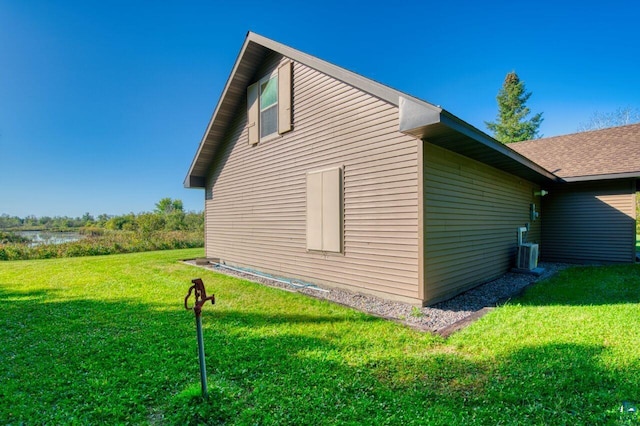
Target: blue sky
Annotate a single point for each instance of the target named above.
(103, 103)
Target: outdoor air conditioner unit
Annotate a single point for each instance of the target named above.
(528, 256)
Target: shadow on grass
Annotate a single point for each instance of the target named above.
(84, 361)
(291, 379)
(93, 362)
(587, 286)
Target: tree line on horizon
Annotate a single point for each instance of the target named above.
(168, 215)
(167, 227)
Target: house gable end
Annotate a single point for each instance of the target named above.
(252, 55)
(417, 117)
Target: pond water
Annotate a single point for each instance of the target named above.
(49, 237)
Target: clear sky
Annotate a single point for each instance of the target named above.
(103, 103)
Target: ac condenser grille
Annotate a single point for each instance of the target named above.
(528, 256)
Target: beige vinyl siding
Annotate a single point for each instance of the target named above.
(590, 222)
(472, 212)
(257, 215)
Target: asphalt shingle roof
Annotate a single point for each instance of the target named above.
(611, 151)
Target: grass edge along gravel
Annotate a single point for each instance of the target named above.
(106, 339)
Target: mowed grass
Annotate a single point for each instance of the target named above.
(106, 340)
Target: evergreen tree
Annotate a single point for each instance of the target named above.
(511, 124)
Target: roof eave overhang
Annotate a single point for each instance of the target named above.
(195, 177)
(441, 128)
(609, 176)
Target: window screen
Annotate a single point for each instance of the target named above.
(269, 107)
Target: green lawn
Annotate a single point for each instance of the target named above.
(106, 340)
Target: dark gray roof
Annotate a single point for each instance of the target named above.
(417, 117)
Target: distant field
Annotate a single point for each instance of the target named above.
(106, 340)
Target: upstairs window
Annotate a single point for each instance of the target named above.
(269, 105)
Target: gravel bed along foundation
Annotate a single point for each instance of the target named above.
(442, 318)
